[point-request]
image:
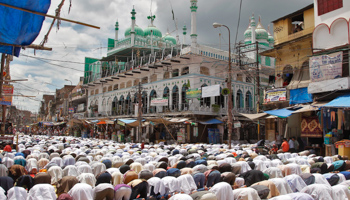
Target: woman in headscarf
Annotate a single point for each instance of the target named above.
(129, 176)
(212, 177)
(15, 171)
(104, 191)
(252, 176)
(122, 192)
(3, 170)
(25, 181)
(42, 177)
(17, 193)
(42, 191)
(138, 187)
(6, 183)
(222, 190)
(65, 184)
(103, 177)
(81, 191)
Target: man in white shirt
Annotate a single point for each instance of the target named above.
(291, 145)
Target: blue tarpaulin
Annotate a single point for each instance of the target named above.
(212, 121)
(127, 121)
(19, 27)
(300, 95)
(282, 113)
(340, 102)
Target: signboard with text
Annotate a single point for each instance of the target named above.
(211, 91)
(276, 95)
(70, 110)
(326, 67)
(159, 101)
(193, 93)
(7, 91)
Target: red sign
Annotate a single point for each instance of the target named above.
(7, 91)
(6, 138)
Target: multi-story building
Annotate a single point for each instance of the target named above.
(164, 68)
(292, 49)
(77, 101)
(44, 113)
(59, 106)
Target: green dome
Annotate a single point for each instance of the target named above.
(270, 39)
(248, 33)
(170, 38)
(261, 33)
(156, 32)
(138, 31)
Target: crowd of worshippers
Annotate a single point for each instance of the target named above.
(50, 168)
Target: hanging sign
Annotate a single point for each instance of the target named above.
(163, 101)
(7, 91)
(326, 67)
(193, 93)
(275, 95)
(237, 124)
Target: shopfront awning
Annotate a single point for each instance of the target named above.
(283, 113)
(253, 116)
(309, 108)
(212, 121)
(340, 102)
(167, 121)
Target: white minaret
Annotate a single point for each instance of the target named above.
(194, 22)
(116, 34)
(253, 25)
(184, 32)
(132, 32)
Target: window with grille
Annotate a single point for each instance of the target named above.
(326, 6)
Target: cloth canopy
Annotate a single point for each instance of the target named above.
(212, 121)
(283, 113)
(254, 116)
(168, 121)
(18, 27)
(308, 108)
(340, 102)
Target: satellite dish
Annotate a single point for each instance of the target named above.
(225, 91)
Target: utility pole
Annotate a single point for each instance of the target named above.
(258, 85)
(3, 57)
(139, 113)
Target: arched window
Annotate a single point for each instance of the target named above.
(128, 84)
(220, 100)
(144, 102)
(96, 91)
(128, 105)
(104, 89)
(166, 94)
(239, 99)
(153, 78)
(144, 80)
(121, 105)
(92, 92)
(184, 105)
(205, 102)
(153, 95)
(103, 106)
(185, 70)
(175, 95)
(248, 101)
(287, 75)
(175, 72)
(115, 106)
(204, 71)
(115, 87)
(136, 82)
(109, 88)
(166, 75)
(239, 77)
(122, 85)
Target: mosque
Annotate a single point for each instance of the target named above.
(171, 75)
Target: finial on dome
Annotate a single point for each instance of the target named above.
(259, 19)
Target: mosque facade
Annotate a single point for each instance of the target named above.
(163, 68)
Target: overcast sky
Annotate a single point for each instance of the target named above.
(47, 70)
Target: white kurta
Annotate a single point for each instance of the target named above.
(81, 191)
(42, 192)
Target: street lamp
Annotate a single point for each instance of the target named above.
(229, 101)
(69, 81)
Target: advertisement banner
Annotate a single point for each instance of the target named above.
(81, 107)
(163, 101)
(276, 95)
(237, 124)
(326, 67)
(211, 91)
(7, 91)
(193, 93)
(70, 110)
